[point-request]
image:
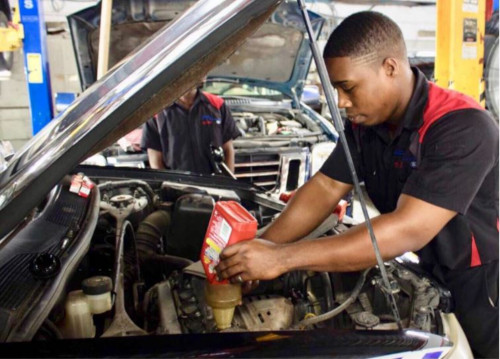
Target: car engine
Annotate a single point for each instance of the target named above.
(141, 276)
(276, 146)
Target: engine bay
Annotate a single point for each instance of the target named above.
(276, 128)
(273, 124)
(139, 273)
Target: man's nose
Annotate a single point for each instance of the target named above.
(344, 101)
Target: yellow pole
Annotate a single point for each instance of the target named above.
(460, 46)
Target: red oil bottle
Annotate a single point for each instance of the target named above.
(230, 223)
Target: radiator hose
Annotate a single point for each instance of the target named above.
(148, 244)
(340, 308)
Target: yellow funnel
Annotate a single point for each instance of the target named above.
(223, 298)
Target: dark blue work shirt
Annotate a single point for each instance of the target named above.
(184, 137)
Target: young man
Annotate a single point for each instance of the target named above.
(429, 159)
(180, 137)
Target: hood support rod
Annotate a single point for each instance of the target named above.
(339, 126)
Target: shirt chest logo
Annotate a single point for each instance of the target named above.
(208, 120)
(404, 159)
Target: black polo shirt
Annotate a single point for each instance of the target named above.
(184, 136)
(444, 152)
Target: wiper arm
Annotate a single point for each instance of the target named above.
(339, 126)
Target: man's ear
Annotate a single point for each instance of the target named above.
(391, 66)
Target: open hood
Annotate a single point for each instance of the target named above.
(277, 56)
(150, 78)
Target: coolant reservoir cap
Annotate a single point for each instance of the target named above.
(96, 285)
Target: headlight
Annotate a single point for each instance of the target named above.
(320, 153)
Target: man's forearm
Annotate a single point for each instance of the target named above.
(409, 228)
(345, 252)
(229, 161)
(352, 250)
(306, 210)
(155, 159)
(229, 155)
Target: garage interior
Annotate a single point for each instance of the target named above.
(418, 20)
(421, 21)
(45, 69)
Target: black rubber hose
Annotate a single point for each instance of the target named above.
(167, 262)
(149, 232)
(327, 284)
(340, 308)
(148, 237)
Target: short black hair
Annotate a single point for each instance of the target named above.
(365, 33)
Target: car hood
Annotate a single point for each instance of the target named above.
(277, 56)
(147, 80)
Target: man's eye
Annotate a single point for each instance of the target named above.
(348, 90)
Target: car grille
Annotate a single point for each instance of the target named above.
(272, 170)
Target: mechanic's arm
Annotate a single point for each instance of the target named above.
(229, 154)
(307, 209)
(410, 227)
(155, 159)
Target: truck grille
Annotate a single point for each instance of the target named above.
(270, 169)
(258, 169)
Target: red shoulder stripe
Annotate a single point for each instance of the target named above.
(440, 102)
(214, 100)
(475, 259)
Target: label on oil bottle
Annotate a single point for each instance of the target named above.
(218, 235)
